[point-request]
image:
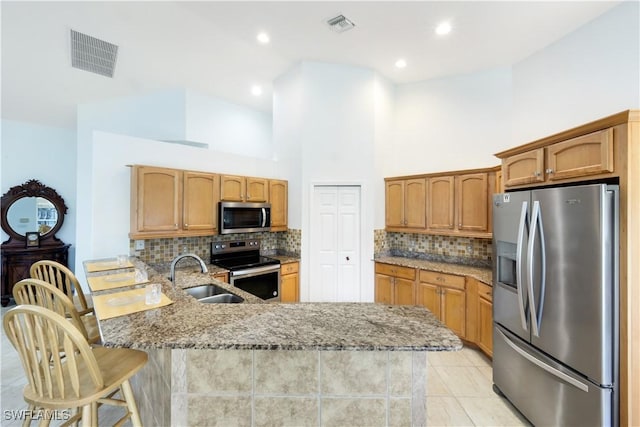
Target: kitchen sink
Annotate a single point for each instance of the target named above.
(211, 293)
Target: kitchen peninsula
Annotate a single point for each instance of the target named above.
(278, 364)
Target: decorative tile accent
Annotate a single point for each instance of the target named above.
(464, 250)
(158, 251)
(226, 371)
(353, 373)
(285, 372)
(347, 412)
(286, 411)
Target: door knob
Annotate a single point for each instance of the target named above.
(347, 258)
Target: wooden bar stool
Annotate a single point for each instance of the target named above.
(62, 278)
(85, 377)
(43, 294)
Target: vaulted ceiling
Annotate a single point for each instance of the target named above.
(211, 47)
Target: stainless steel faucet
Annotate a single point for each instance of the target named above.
(172, 271)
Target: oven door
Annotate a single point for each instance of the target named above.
(263, 282)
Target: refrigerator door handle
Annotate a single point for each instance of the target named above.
(553, 371)
(535, 224)
(519, 284)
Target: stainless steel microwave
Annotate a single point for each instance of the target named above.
(241, 217)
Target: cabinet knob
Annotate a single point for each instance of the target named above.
(536, 173)
(186, 225)
(549, 171)
(175, 225)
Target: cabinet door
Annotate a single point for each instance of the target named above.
(453, 306)
(200, 201)
(403, 291)
(472, 202)
(440, 203)
(523, 168)
(278, 197)
(499, 184)
(428, 296)
(257, 190)
(159, 198)
(394, 203)
(289, 288)
(223, 277)
(485, 326)
(232, 188)
(586, 155)
(415, 203)
(384, 289)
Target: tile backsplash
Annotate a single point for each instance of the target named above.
(445, 248)
(164, 250)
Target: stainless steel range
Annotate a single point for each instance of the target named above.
(248, 270)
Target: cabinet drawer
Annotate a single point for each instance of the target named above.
(443, 279)
(396, 271)
(289, 268)
(485, 291)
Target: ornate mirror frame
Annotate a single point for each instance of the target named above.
(32, 188)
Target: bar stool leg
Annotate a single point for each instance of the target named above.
(131, 404)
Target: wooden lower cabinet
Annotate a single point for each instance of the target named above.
(444, 295)
(223, 277)
(485, 319)
(290, 282)
(394, 284)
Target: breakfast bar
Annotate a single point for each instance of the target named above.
(259, 363)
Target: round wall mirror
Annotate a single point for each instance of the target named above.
(32, 208)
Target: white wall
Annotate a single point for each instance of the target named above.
(384, 108)
(111, 180)
(591, 73)
(100, 173)
(449, 123)
(31, 151)
(228, 127)
(326, 113)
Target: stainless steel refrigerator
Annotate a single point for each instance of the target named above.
(555, 303)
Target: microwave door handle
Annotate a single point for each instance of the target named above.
(535, 219)
(519, 283)
(264, 217)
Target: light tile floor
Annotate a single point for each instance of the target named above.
(459, 391)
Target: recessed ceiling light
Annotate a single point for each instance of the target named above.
(443, 28)
(256, 90)
(401, 63)
(263, 38)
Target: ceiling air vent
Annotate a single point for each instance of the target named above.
(340, 24)
(92, 54)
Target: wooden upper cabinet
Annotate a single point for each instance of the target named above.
(235, 188)
(394, 203)
(415, 203)
(156, 199)
(586, 155)
(568, 160)
(406, 203)
(257, 190)
(232, 188)
(524, 168)
(200, 201)
(472, 193)
(440, 202)
(278, 197)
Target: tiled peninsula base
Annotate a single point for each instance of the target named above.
(184, 387)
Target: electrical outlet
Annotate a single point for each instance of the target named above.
(139, 245)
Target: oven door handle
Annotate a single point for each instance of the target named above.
(255, 271)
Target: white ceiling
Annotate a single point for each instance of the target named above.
(210, 47)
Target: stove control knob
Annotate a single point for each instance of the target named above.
(224, 246)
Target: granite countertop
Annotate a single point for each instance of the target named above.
(482, 274)
(285, 259)
(188, 323)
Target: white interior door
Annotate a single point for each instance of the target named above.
(335, 244)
